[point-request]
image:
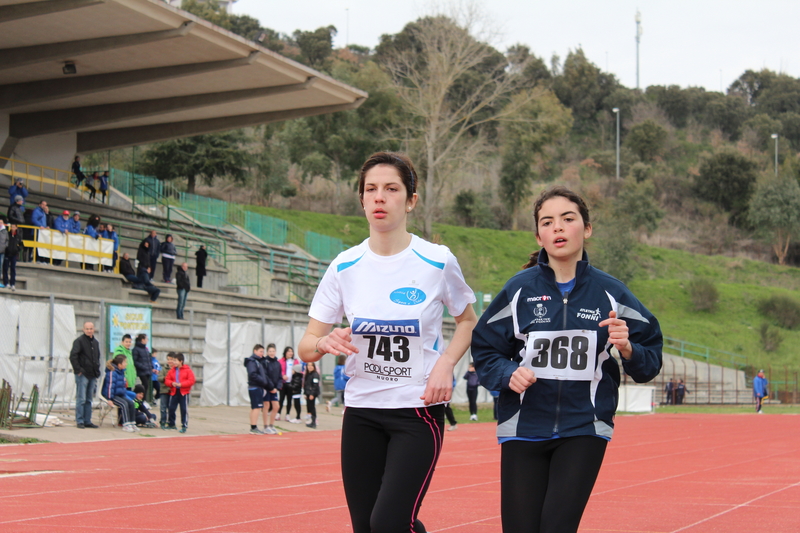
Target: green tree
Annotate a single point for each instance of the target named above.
(790, 126)
(637, 205)
(454, 89)
(209, 10)
(763, 126)
(727, 179)
(272, 169)
(774, 211)
(751, 84)
(782, 95)
(727, 113)
(202, 156)
(647, 140)
(315, 46)
(583, 88)
(545, 122)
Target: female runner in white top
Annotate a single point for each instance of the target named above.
(392, 288)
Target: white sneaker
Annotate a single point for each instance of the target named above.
(295, 421)
(473, 417)
(453, 427)
(128, 429)
(270, 430)
(13, 288)
(278, 416)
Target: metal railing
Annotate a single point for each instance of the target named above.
(697, 351)
(41, 178)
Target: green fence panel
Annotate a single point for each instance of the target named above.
(323, 247)
(208, 211)
(268, 229)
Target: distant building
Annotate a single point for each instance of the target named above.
(227, 5)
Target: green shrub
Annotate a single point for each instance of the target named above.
(704, 294)
(783, 310)
(771, 337)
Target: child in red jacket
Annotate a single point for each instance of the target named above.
(180, 379)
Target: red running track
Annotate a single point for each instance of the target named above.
(662, 474)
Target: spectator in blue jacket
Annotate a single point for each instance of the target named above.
(91, 227)
(114, 392)
(109, 233)
(17, 189)
(39, 219)
(62, 223)
(104, 185)
(39, 216)
(340, 380)
(75, 223)
(760, 389)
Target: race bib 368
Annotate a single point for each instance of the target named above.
(563, 355)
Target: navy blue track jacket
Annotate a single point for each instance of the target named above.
(531, 319)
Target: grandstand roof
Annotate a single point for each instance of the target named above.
(145, 71)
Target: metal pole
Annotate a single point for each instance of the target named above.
(229, 361)
(263, 332)
(776, 155)
(52, 334)
(291, 325)
(638, 38)
(617, 113)
(191, 330)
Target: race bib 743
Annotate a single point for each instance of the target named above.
(563, 355)
(389, 351)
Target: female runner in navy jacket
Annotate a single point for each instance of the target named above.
(548, 342)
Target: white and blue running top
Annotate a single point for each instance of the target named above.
(394, 305)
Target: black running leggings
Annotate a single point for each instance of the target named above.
(388, 460)
(545, 485)
(311, 407)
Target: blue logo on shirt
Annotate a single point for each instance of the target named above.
(407, 296)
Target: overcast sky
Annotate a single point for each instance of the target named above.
(684, 42)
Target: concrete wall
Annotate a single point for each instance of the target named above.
(57, 150)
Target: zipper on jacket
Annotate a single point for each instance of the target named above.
(565, 299)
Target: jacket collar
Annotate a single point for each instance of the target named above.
(580, 267)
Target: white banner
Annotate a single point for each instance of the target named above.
(9, 319)
(75, 242)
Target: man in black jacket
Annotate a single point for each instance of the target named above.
(154, 249)
(257, 386)
(85, 359)
(184, 286)
(16, 213)
(143, 363)
(141, 282)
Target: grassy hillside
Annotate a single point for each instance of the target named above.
(489, 257)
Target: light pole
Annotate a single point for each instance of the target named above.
(616, 112)
(638, 38)
(775, 136)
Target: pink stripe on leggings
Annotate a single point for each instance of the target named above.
(438, 447)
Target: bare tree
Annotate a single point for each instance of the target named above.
(453, 86)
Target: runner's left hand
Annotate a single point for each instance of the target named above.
(440, 383)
